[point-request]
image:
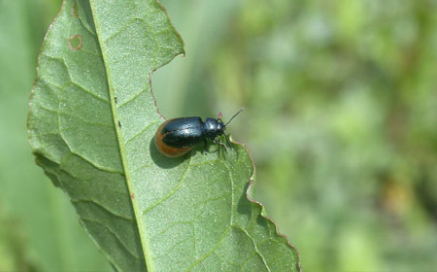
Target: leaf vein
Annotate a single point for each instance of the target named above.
(101, 206)
(86, 121)
(209, 253)
(119, 30)
(132, 98)
(139, 133)
(82, 88)
(173, 191)
(113, 234)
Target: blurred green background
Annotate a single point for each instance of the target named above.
(341, 120)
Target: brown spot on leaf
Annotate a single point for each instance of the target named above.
(75, 42)
(75, 11)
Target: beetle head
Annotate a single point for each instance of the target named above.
(214, 127)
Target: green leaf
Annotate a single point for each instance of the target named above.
(91, 125)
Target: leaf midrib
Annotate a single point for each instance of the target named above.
(130, 185)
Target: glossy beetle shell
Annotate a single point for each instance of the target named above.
(175, 137)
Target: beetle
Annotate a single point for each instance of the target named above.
(175, 137)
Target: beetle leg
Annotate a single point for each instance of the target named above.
(206, 145)
(228, 141)
(221, 144)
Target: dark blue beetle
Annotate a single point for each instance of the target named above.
(175, 137)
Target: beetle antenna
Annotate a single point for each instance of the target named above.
(242, 108)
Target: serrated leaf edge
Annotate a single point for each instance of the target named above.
(251, 199)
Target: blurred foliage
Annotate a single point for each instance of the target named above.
(341, 120)
(13, 255)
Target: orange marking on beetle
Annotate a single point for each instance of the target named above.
(168, 151)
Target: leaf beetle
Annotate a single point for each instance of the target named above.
(175, 137)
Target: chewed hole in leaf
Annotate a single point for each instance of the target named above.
(75, 42)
